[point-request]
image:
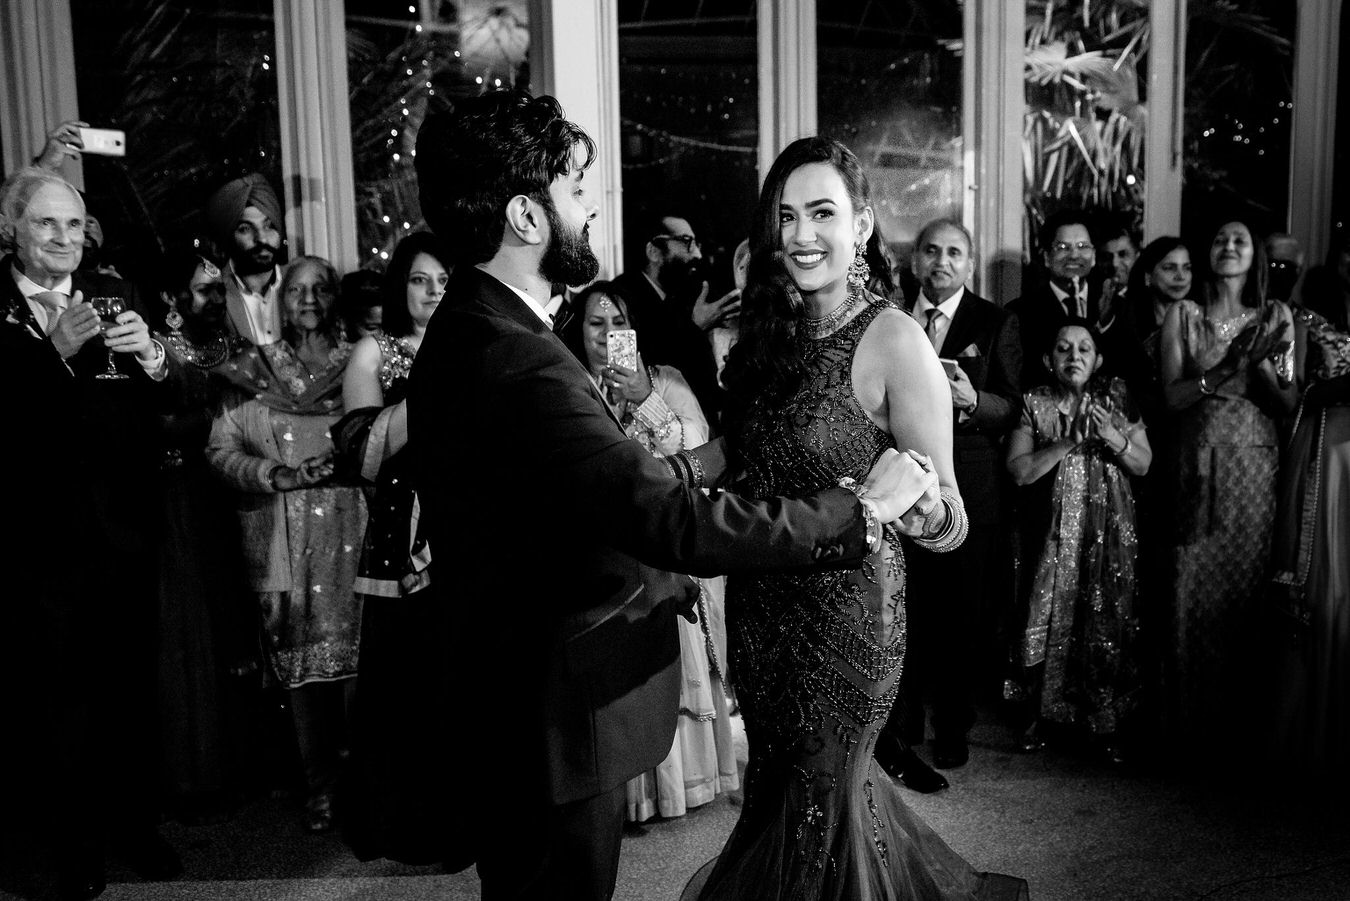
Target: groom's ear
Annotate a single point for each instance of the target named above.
(525, 220)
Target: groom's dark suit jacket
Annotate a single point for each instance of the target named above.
(538, 510)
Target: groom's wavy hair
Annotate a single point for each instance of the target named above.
(472, 160)
(766, 364)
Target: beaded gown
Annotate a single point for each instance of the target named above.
(817, 659)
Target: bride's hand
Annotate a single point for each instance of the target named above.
(895, 483)
(911, 522)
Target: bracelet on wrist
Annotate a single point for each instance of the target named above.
(1124, 448)
(1205, 389)
(871, 519)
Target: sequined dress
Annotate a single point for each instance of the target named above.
(1079, 643)
(1311, 566)
(816, 661)
(1227, 459)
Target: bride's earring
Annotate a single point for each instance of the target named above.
(858, 270)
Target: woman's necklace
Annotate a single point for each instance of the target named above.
(821, 326)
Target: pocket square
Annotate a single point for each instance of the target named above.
(970, 351)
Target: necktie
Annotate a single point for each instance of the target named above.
(55, 303)
(931, 329)
(1079, 299)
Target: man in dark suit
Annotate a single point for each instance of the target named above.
(78, 550)
(1072, 287)
(668, 297)
(554, 536)
(952, 599)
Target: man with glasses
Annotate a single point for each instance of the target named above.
(1284, 262)
(1071, 288)
(668, 300)
(246, 222)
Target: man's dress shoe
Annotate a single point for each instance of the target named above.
(948, 755)
(903, 764)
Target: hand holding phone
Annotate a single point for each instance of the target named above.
(621, 348)
(104, 141)
(949, 366)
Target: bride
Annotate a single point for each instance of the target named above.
(825, 378)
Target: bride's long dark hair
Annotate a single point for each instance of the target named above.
(766, 362)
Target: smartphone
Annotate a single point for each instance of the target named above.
(622, 348)
(950, 366)
(104, 141)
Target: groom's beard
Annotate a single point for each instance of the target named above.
(568, 259)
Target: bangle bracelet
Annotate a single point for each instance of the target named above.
(871, 521)
(1124, 448)
(1204, 385)
(954, 531)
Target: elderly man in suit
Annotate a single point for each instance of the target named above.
(245, 219)
(555, 534)
(952, 598)
(78, 549)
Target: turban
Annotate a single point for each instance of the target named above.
(226, 206)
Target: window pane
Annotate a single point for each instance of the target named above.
(1239, 104)
(194, 88)
(404, 59)
(889, 86)
(1084, 128)
(688, 99)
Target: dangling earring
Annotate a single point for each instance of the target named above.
(173, 319)
(858, 271)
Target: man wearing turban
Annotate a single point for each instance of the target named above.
(245, 219)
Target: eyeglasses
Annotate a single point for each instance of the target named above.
(689, 241)
(1065, 246)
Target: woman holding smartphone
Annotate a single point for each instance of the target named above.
(659, 411)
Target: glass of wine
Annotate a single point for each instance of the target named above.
(108, 309)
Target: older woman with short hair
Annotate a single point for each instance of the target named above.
(302, 533)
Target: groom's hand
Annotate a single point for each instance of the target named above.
(895, 483)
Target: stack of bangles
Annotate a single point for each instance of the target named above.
(687, 467)
(953, 531)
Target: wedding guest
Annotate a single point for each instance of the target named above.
(952, 598)
(1227, 370)
(301, 531)
(77, 545)
(1310, 561)
(388, 811)
(658, 410)
(205, 630)
(1077, 443)
(246, 223)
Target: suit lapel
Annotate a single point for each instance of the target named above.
(964, 326)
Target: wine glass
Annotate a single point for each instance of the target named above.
(108, 309)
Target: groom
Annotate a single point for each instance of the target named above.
(553, 534)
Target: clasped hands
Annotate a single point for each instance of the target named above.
(904, 487)
(79, 322)
(1256, 343)
(309, 473)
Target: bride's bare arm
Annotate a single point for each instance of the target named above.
(901, 385)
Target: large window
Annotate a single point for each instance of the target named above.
(1239, 108)
(194, 88)
(688, 103)
(1084, 126)
(889, 86)
(403, 60)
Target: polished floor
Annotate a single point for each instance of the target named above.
(1075, 828)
